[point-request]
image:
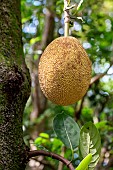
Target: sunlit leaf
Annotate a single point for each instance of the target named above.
(79, 5)
(44, 135)
(85, 162)
(34, 40)
(90, 142)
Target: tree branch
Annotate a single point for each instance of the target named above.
(97, 77)
(72, 6)
(52, 155)
(78, 112)
(93, 80)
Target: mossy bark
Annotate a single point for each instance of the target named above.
(14, 88)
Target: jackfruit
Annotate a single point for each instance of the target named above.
(64, 71)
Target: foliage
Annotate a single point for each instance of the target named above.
(67, 130)
(95, 33)
(85, 162)
(90, 142)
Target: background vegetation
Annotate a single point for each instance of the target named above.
(42, 21)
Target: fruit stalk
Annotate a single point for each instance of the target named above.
(66, 19)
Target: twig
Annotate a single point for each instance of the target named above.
(72, 6)
(66, 19)
(52, 155)
(93, 80)
(97, 77)
(78, 113)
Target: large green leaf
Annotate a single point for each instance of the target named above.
(67, 130)
(90, 142)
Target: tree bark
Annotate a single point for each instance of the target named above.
(14, 87)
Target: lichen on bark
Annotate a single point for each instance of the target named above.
(14, 88)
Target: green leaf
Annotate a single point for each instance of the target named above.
(67, 130)
(44, 135)
(85, 162)
(79, 5)
(90, 142)
(34, 40)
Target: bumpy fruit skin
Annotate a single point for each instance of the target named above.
(64, 71)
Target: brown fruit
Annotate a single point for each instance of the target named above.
(64, 71)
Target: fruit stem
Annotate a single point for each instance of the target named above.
(66, 31)
(66, 19)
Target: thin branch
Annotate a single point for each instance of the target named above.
(52, 155)
(97, 77)
(78, 113)
(72, 6)
(75, 6)
(93, 80)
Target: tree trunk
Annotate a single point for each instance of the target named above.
(14, 87)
